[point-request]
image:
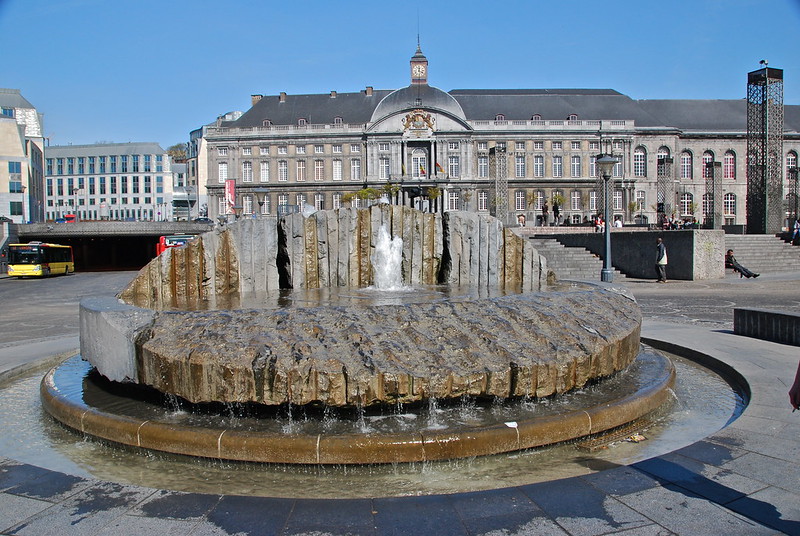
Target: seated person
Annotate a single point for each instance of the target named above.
(731, 262)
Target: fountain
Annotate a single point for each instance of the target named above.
(187, 327)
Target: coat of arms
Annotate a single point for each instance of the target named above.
(418, 120)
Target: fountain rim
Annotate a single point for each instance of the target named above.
(357, 449)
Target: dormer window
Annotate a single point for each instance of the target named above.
(302, 122)
(337, 121)
(267, 123)
(500, 117)
(536, 117)
(572, 117)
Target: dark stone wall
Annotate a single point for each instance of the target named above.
(776, 326)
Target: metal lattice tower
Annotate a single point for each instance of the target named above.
(764, 151)
(665, 189)
(713, 213)
(500, 183)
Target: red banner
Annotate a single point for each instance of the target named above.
(230, 195)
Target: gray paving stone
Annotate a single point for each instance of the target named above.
(582, 509)
(773, 507)
(142, 526)
(14, 510)
(86, 512)
(767, 469)
(683, 512)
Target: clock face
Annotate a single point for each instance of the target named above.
(418, 71)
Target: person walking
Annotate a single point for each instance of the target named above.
(661, 261)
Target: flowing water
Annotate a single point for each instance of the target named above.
(704, 403)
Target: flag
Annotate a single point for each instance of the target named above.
(439, 167)
(404, 169)
(421, 169)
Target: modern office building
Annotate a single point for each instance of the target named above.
(21, 159)
(501, 151)
(114, 181)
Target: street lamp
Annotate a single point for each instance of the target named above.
(605, 165)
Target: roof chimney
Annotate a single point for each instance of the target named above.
(333, 94)
(254, 99)
(369, 91)
(282, 97)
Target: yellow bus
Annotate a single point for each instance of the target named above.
(39, 259)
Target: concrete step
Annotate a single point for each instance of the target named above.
(764, 253)
(570, 262)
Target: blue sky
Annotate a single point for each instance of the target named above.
(147, 70)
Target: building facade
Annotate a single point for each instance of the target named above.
(115, 181)
(505, 152)
(21, 159)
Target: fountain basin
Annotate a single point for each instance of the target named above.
(106, 421)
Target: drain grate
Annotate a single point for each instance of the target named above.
(603, 440)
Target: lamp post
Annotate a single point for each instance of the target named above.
(605, 165)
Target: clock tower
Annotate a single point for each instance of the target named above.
(419, 67)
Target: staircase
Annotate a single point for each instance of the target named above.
(763, 253)
(570, 263)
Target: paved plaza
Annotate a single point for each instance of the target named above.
(742, 479)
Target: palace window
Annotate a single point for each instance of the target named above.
(708, 157)
(247, 171)
(519, 166)
(575, 166)
(520, 145)
(483, 166)
(453, 200)
(483, 201)
(639, 162)
(729, 165)
(538, 166)
(557, 145)
(558, 167)
(729, 204)
(223, 171)
(538, 145)
(453, 166)
(686, 165)
(576, 146)
(519, 200)
(355, 169)
(575, 200)
(337, 169)
(319, 170)
(283, 171)
(452, 145)
(264, 176)
(300, 167)
(383, 167)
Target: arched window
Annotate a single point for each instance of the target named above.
(639, 162)
(500, 117)
(729, 204)
(337, 121)
(572, 117)
(729, 165)
(686, 165)
(302, 122)
(266, 123)
(791, 162)
(663, 152)
(708, 157)
(536, 117)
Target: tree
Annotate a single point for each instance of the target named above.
(177, 152)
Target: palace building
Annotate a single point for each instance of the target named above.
(501, 151)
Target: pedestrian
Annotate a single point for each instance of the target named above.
(731, 262)
(556, 212)
(796, 229)
(618, 222)
(545, 216)
(521, 220)
(661, 260)
(794, 392)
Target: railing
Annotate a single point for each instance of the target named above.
(106, 228)
(279, 130)
(555, 124)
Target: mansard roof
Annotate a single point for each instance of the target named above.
(513, 104)
(101, 149)
(12, 98)
(321, 108)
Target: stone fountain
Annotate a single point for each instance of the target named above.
(183, 328)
